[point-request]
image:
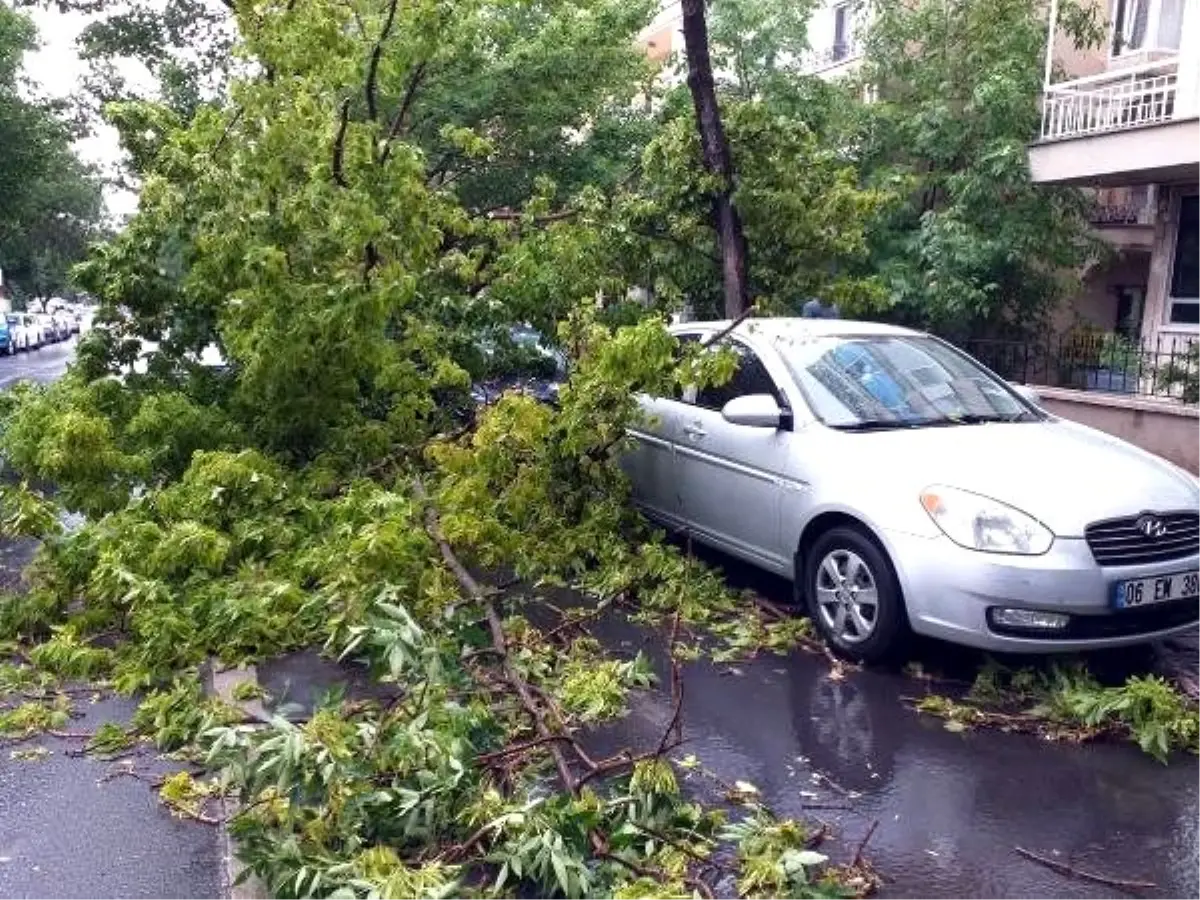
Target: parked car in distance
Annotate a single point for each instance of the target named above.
(49, 328)
(33, 330)
(902, 486)
(65, 322)
(17, 331)
(7, 344)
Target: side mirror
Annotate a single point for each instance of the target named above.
(1027, 393)
(753, 410)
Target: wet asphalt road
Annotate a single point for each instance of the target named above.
(951, 807)
(43, 365)
(65, 830)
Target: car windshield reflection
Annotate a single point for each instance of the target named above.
(888, 382)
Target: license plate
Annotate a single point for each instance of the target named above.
(1160, 589)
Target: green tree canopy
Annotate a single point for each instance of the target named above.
(976, 245)
(50, 203)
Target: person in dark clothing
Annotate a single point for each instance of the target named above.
(818, 309)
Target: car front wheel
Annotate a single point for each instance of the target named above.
(853, 596)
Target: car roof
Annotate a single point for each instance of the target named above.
(791, 327)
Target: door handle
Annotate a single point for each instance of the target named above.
(694, 431)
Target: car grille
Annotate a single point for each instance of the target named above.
(1119, 542)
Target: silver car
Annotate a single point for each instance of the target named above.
(901, 485)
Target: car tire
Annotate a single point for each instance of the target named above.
(840, 607)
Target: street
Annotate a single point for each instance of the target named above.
(42, 365)
(951, 807)
(69, 827)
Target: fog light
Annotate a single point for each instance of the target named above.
(1029, 618)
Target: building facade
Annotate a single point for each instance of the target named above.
(1131, 132)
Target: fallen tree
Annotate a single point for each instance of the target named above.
(345, 230)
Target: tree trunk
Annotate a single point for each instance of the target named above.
(717, 160)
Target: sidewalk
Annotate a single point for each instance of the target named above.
(67, 831)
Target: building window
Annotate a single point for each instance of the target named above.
(841, 26)
(1130, 18)
(1185, 268)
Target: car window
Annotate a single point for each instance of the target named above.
(749, 377)
(903, 380)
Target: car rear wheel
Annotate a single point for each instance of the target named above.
(854, 597)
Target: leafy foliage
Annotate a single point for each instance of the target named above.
(976, 246)
(1067, 702)
(345, 232)
(52, 204)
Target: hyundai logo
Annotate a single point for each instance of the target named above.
(1151, 526)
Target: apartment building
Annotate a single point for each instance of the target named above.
(1130, 131)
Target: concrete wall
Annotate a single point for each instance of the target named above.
(1096, 303)
(1162, 427)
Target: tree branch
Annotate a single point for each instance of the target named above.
(674, 731)
(373, 65)
(233, 120)
(339, 144)
(1072, 872)
(499, 642)
(862, 845)
(728, 329)
(507, 215)
(414, 82)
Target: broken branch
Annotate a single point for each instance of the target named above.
(674, 732)
(728, 329)
(499, 642)
(1072, 872)
(862, 845)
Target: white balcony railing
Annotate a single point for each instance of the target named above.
(835, 55)
(1112, 101)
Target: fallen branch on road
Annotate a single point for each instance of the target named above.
(1072, 872)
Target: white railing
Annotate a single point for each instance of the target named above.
(828, 57)
(1112, 101)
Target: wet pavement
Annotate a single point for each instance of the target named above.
(43, 366)
(66, 830)
(951, 807)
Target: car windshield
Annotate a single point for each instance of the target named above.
(879, 382)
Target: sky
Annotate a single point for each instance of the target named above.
(57, 69)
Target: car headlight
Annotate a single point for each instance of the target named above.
(980, 523)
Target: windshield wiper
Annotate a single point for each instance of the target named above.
(978, 419)
(894, 424)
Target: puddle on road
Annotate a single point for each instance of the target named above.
(951, 807)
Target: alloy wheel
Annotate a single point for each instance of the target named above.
(847, 596)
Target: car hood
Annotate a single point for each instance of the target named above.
(1063, 474)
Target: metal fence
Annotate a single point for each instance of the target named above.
(1096, 362)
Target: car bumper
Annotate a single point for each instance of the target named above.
(948, 591)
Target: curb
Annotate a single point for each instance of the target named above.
(222, 683)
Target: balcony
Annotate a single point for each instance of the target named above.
(1108, 212)
(1128, 126)
(1111, 101)
(837, 54)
